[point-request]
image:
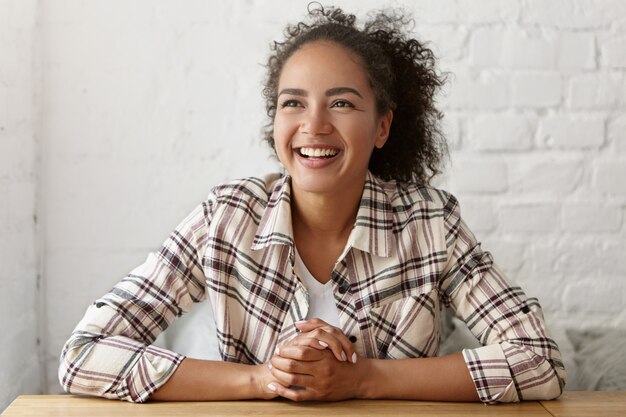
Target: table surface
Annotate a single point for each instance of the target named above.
(571, 404)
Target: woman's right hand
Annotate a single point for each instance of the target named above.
(320, 335)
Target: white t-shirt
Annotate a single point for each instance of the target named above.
(321, 298)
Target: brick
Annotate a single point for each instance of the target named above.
(610, 177)
(485, 47)
(500, 133)
(478, 176)
(590, 218)
(545, 175)
(510, 255)
(517, 49)
(614, 254)
(571, 132)
(617, 133)
(614, 53)
(547, 287)
(485, 91)
(490, 11)
(451, 127)
(538, 217)
(577, 51)
(543, 256)
(579, 298)
(583, 256)
(536, 90)
(579, 14)
(478, 213)
(449, 43)
(597, 90)
(530, 49)
(444, 11)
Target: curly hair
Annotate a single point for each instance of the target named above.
(403, 76)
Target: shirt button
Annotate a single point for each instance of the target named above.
(352, 338)
(343, 288)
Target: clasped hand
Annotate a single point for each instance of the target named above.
(318, 364)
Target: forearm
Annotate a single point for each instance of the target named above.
(201, 380)
(443, 378)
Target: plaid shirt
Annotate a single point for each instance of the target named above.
(408, 255)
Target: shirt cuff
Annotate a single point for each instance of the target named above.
(153, 368)
(490, 372)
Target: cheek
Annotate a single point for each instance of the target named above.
(283, 131)
(280, 140)
(279, 127)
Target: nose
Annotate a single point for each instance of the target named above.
(316, 122)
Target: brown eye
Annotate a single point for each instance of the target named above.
(342, 104)
(290, 103)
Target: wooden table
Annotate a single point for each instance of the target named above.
(572, 404)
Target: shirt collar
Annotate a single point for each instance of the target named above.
(372, 231)
(275, 226)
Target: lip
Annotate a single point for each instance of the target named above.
(315, 163)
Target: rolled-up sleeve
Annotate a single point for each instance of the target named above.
(518, 360)
(109, 353)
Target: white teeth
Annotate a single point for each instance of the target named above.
(318, 152)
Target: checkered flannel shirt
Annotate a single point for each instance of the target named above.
(408, 255)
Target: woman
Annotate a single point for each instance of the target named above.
(326, 282)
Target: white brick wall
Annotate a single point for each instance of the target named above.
(147, 104)
(20, 368)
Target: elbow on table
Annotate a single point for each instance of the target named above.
(71, 374)
(549, 385)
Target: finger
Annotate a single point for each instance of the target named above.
(316, 324)
(311, 324)
(288, 378)
(336, 341)
(293, 366)
(302, 351)
(306, 340)
(291, 393)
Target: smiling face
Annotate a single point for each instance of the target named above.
(326, 124)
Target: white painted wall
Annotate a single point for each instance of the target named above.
(20, 368)
(147, 104)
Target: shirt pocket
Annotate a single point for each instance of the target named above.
(407, 327)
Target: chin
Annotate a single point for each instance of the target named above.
(314, 185)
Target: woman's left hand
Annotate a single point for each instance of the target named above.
(307, 371)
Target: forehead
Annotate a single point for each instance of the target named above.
(326, 62)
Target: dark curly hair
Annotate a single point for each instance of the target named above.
(403, 76)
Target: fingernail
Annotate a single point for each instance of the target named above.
(343, 356)
(269, 365)
(323, 343)
(299, 322)
(272, 387)
(276, 351)
(353, 358)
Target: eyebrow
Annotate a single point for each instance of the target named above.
(342, 90)
(330, 92)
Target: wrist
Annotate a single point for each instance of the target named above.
(259, 377)
(255, 379)
(367, 378)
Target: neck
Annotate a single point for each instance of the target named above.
(330, 216)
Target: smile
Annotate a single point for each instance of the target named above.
(317, 152)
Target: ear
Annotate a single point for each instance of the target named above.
(384, 126)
